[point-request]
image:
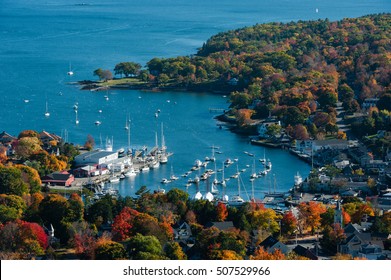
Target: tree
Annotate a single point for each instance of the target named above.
(288, 223)
(142, 247)
(127, 68)
(82, 238)
(27, 146)
(174, 251)
(384, 102)
(31, 178)
(103, 74)
(147, 225)
(309, 214)
(90, 142)
(300, 132)
(224, 255)
(221, 212)
(243, 117)
(110, 250)
(11, 208)
(101, 212)
(331, 238)
(25, 238)
(11, 181)
(76, 208)
(54, 209)
(261, 254)
(123, 224)
(3, 155)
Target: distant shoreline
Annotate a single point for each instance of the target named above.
(210, 87)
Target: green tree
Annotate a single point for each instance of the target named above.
(127, 68)
(142, 247)
(11, 181)
(12, 207)
(110, 250)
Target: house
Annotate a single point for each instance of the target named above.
(59, 178)
(182, 231)
(368, 103)
(305, 252)
(47, 137)
(6, 138)
(95, 157)
(222, 226)
(263, 127)
(335, 144)
(270, 244)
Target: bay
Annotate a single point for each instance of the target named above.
(41, 39)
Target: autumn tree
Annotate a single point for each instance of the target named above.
(90, 143)
(309, 214)
(27, 239)
(243, 117)
(288, 223)
(31, 178)
(27, 146)
(174, 251)
(261, 254)
(76, 208)
(123, 223)
(110, 250)
(3, 155)
(332, 236)
(221, 212)
(82, 237)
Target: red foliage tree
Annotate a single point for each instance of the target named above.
(34, 231)
(123, 223)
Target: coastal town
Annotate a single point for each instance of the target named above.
(290, 87)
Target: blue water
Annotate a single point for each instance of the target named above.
(40, 39)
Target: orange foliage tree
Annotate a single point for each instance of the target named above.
(221, 212)
(309, 214)
(261, 254)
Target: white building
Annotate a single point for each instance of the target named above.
(96, 157)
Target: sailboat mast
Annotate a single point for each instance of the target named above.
(163, 142)
(128, 133)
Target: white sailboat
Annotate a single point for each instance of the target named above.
(254, 174)
(236, 200)
(76, 120)
(163, 155)
(70, 72)
(47, 114)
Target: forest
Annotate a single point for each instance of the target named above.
(295, 71)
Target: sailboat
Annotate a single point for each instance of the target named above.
(163, 155)
(77, 120)
(254, 173)
(236, 200)
(47, 114)
(263, 160)
(173, 177)
(70, 72)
